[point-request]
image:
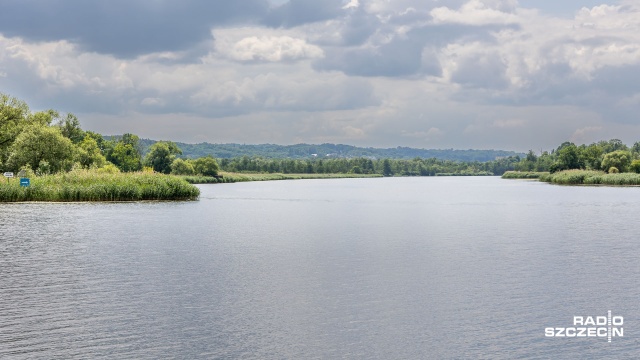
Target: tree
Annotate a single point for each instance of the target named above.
(612, 145)
(207, 166)
(567, 157)
(89, 154)
(125, 157)
(13, 118)
(386, 168)
(70, 128)
(182, 167)
(635, 166)
(125, 154)
(635, 149)
(619, 159)
(42, 148)
(591, 156)
(161, 155)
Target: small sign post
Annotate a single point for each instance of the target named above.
(25, 182)
(8, 175)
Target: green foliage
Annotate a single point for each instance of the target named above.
(571, 177)
(89, 154)
(89, 185)
(386, 168)
(70, 128)
(613, 170)
(235, 177)
(126, 157)
(612, 145)
(523, 175)
(161, 155)
(635, 166)
(13, 118)
(567, 157)
(182, 167)
(620, 159)
(331, 151)
(591, 156)
(206, 166)
(42, 148)
(586, 177)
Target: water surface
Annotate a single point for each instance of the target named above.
(393, 268)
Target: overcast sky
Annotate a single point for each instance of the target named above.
(484, 74)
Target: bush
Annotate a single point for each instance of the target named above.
(613, 170)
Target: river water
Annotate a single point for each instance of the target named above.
(391, 268)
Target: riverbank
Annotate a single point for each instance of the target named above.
(228, 177)
(579, 177)
(86, 185)
(523, 175)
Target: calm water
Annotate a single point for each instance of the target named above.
(402, 268)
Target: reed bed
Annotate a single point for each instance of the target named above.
(87, 185)
(228, 177)
(589, 177)
(523, 175)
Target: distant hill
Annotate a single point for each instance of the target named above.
(306, 151)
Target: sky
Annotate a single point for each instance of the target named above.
(463, 74)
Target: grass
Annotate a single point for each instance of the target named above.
(589, 177)
(87, 185)
(523, 175)
(228, 177)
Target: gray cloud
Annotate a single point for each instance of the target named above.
(298, 12)
(125, 28)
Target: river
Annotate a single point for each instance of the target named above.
(387, 268)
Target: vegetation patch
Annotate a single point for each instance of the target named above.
(523, 174)
(589, 177)
(228, 177)
(92, 185)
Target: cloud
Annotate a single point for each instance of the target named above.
(447, 73)
(271, 48)
(509, 123)
(125, 28)
(299, 12)
(476, 12)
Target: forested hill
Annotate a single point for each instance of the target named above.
(306, 151)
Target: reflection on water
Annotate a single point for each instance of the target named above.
(353, 268)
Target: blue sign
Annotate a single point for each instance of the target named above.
(25, 182)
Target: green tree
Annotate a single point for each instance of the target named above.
(635, 149)
(161, 155)
(182, 167)
(635, 166)
(207, 166)
(386, 168)
(619, 159)
(42, 148)
(70, 128)
(567, 157)
(125, 157)
(13, 118)
(612, 145)
(591, 156)
(89, 154)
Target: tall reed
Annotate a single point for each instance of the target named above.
(88, 185)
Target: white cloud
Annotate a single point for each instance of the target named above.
(489, 67)
(474, 12)
(270, 48)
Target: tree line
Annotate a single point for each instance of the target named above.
(387, 167)
(48, 142)
(611, 156)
